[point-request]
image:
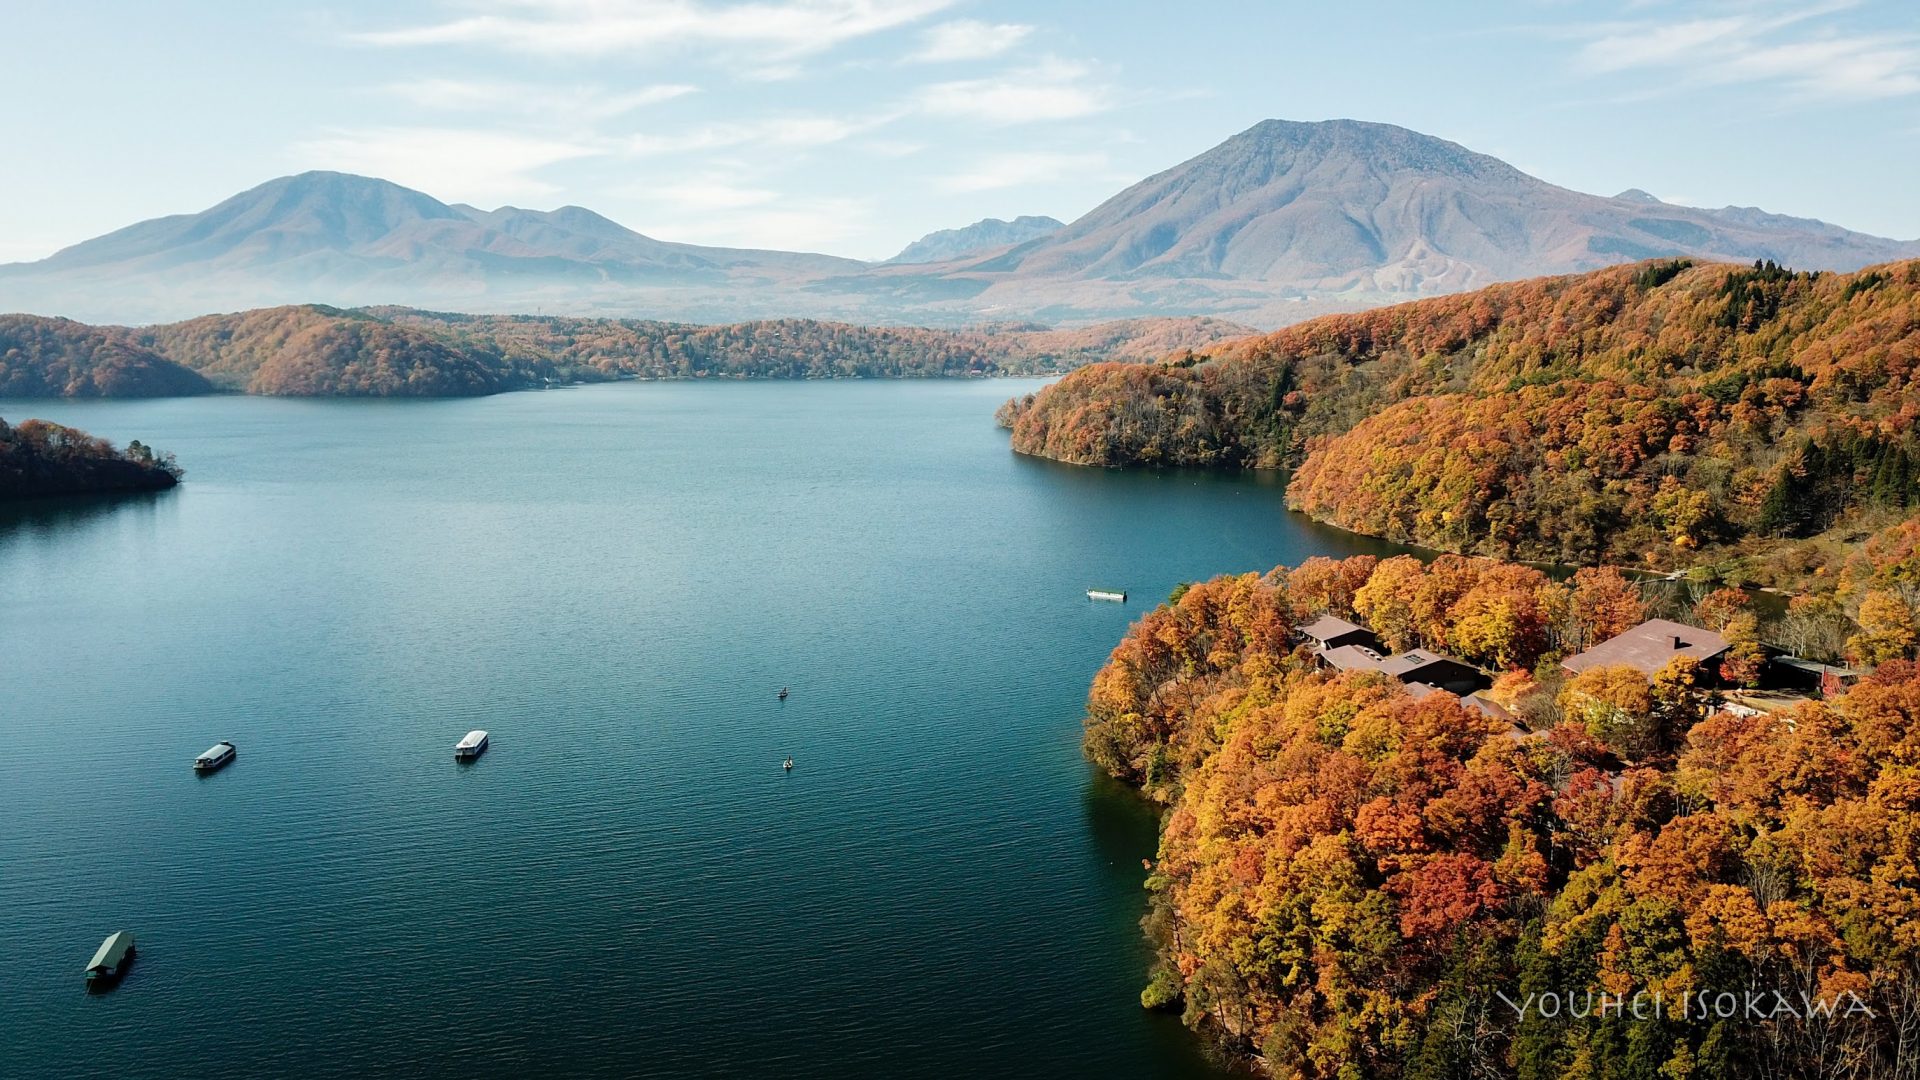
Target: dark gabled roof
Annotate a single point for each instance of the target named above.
(1649, 646)
(1352, 658)
(1328, 627)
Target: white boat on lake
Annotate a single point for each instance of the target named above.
(472, 746)
(1107, 594)
(216, 757)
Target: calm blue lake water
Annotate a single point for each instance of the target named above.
(614, 581)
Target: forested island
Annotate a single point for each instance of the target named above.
(317, 351)
(41, 458)
(1659, 414)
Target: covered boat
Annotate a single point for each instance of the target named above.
(112, 958)
(217, 756)
(472, 746)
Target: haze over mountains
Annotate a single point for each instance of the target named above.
(1281, 222)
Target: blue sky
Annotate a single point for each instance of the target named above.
(854, 126)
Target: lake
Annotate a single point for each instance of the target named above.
(614, 580)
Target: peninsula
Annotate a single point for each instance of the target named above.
(41, 458)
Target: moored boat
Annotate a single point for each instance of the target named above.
(1107, 594)
(216, 757)
(112, 958)
(472, 746)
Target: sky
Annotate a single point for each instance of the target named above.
(854, 126)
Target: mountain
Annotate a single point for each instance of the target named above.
(983, 235)
(1369, 213)
(352, 239)
(1283, 221)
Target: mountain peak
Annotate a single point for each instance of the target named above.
(1382, 147)
(982, 235)
(286, 216)
(1635, 195)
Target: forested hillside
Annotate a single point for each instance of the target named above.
(41, 458)
(42, 357)
(309, 351)
(1348, 874)
(313, 350)
(804, 348)
(1637, 413)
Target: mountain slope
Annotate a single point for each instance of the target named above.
(1377, 211)
(352, 239)
(42, 357)
(982, 235)
(1279, 223)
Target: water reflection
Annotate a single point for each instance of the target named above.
(66, 512)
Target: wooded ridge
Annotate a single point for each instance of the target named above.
(314, 350)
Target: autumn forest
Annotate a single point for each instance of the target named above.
(1348, 872)
(1351, 864)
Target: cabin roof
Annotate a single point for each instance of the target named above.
(1351, 658)
(1649, 646)
(1414, 660)
(1474, 701)
(1328, 627)
(112, 950)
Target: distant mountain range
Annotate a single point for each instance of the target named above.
(983, 235)
(1282, 221)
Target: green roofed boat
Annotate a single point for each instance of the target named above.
(111, 961)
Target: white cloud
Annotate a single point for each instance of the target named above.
(710, 193)
(453, 164)
(585, 102)
(784, 223)
(780, 28)
(1013, 170)
(968, 39)
(1053, 90)
(788, 132)
(892, 148)
(1791, 49)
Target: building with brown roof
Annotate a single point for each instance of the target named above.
(1412, 666)
(1331, 632)
(1649, 647)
